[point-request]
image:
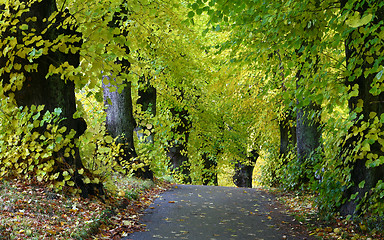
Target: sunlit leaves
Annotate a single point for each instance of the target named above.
(356, 20)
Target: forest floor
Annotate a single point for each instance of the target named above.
(303, 208)
(30, 210)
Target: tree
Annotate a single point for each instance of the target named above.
(308, 133)
(118, 100)
(177, 150)
(209, 171)
(244, 171)
(362, 49)
(39, 70)
(147, 102)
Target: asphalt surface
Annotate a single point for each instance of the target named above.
(213, 213)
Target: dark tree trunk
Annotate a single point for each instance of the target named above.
(308, 126)
(177, 153)
(244, 171)
(209, 174)
(287, 128)
(147, 100)
(308, 135)
(308, 131)
(359, 58)
(287, 124)
(38, 88)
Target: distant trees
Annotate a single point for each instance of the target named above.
(320, 44)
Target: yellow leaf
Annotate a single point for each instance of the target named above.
(355, 21)
(108, 139)
(121, 193)
(370, 60)
(366, 147)
(17, 66)
(372, 114)
(86, 180)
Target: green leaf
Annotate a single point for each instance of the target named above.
(57, 111)
(382, 118)
(24, 27)
(195, 6)
(191, 14)
(379, 75)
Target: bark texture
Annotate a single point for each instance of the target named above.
(120, 122)
(308, 131)
(308, 122)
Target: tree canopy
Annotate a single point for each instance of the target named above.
(296, 83)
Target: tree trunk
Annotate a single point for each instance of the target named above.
(360, 58)
(147, 100)
(120, 122)
(243, 176)
(209, 174)
(308, 126)
(177, 153)
(39, 88)
(308, 133)
(287, 133)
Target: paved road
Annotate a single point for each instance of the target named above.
(215, 213)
